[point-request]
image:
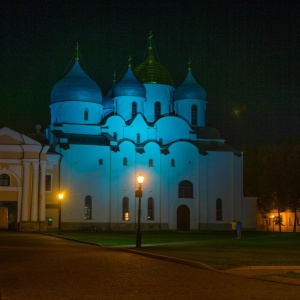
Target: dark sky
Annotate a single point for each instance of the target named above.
(246, 54)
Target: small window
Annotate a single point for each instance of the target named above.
(88, 208)
(138, 138)
(125, 161)
(134, 109)
(157, 110)
(100, 161)
(172, 162)
(115, 135)
(150, 162)
(49, 221)
(48, 185)
(4, 180)
(150, 215)
(86, 114)
(194, 115)
(125, 210)
(185, 189)
(219, 216)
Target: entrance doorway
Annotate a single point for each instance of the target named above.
(183, 218)
(12, 209)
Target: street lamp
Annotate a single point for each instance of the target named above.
(60, 196)
(139, 193)
(273, 222)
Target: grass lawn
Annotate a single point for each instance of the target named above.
(216, 249)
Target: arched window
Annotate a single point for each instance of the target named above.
(138, 138)
(86, 114)
(125, 209)
(4, 180)
(219, 209)
(172, 162)
(194, 114)
(133, 109)
(185, 189)
(150, 162)
(125, 161)
(157, 110)
(150, 215)
(115, 135)
(88, 208)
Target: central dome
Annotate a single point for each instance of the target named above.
(150, 71)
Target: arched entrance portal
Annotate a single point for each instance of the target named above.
(183, 218)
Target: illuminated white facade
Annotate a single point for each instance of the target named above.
(99, 145)
(193, 180)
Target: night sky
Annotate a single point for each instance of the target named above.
(246, 54)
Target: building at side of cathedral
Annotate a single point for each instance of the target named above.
(99, 145)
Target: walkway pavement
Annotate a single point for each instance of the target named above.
(268, 273)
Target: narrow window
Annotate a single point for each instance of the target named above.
(185, 189)
(86, 114)
(115, 135)
(150, 215)
(172, 162)
(48, 183)
(125, 209)
(4, 180)
(125, 161)
(150, 162)
(100, 161)
(88, 208)
(157, 110)
(134, 109)
(138, 138)
(194, 116)
(219, 216)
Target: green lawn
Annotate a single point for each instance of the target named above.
(216, 249)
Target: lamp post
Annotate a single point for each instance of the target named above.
(273, 222)
(139, 193)
(60, 197)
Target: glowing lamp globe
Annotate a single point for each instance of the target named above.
(140, 179)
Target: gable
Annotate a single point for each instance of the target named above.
(11, 137)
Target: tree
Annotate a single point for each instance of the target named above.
(291, 155)
(271, 174)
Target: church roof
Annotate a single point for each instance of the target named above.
(189, 89)
(76, 86)
(129, 86)
(107, 101)
(81, 139)
(151, 71)
(207, 133)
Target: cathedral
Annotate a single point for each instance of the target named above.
(97, 145)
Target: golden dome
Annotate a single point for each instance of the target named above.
(150, 71)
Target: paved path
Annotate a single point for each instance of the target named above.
(34, 266)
